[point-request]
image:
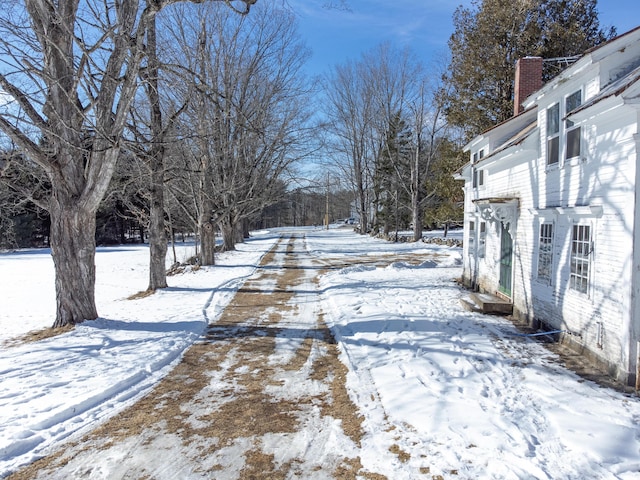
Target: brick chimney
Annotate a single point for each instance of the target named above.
(528, 80)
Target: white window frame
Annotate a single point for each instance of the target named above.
(482, 239)
(478, 177)
(571, 102)
(546, 235)
(553, 134)
(478, 173)
(580, 258)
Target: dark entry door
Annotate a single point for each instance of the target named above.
(506, 260)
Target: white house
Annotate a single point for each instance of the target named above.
(552, 204)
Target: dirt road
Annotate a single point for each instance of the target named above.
(261, 396)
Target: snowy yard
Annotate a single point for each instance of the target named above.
(459, 394)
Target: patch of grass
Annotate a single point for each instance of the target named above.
(403, 456)
(37, 335)
(143, 294)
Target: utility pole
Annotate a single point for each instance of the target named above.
(326, 211)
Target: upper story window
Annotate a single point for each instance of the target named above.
(553, 134)
(573, 132)
(479, 155)
(478, 174)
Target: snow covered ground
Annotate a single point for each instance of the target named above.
(64, 385)
(463, 392)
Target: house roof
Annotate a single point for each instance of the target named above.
(615, 88)
(515, 130)
(520, 126)
(516, 139)
(506, 129)
(591, 56)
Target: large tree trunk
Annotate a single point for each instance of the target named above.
(416, 215)
(228, 230)
(73, 249)
(207, 240)
(157, 234)
(361, 197)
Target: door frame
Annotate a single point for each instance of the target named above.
(505, 278)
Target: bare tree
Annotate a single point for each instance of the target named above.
(426, 116)
(350, 112)
(386, 118)
(368, 106)
(152, 131)
(249, 112)
(70, 71)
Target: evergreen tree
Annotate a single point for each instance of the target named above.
(491, 36)
(445, 205)
(391, 167)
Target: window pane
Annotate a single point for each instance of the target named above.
(573, 101)
(545, 252)
(553, 150)
(553, 119)
(580, 258)
(573, 143)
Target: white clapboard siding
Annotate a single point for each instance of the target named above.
(597, 189)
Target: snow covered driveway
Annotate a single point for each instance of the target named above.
(461, 393)
(432, 391)
(260, 395)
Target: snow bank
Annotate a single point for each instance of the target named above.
(57, 387)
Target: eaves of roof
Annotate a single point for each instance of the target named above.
(614, 89)
(515, 140)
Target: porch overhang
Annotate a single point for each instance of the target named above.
(499, 209)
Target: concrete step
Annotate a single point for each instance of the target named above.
(487, 303)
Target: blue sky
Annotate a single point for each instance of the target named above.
(425, 25)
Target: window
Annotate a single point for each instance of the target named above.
(482, 239)
(572, 102)
(478, 178)
(580, 258)
(545, 252)
(472, 237)
(553, 134)
(478, 175)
